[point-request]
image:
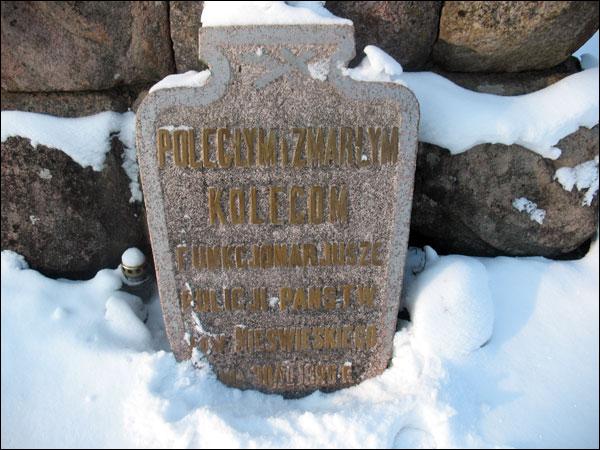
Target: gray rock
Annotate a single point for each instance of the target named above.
(73, 46)
(405, 30)
(512, 83)
(463, 203)
(512, 36)
(69, 104)
(66, 220)
(185, 23)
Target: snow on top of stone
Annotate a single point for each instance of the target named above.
(86, 140)
(191, 78)
(224, 13)
(583, 176)
(536, 214)
(588, 53)
(133, 257)
(458, 119)
(376, 66)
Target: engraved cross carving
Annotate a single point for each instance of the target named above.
(277, 68)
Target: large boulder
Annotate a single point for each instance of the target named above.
(67, 220)
(70, 104)
(512, 83)
(464, 203)
(512, 36)
(405, 30)
(73, 46)
(185, 23)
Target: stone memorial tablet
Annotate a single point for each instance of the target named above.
(278, 197)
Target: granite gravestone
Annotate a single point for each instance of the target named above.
(278, 198)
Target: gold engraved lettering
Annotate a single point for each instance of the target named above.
(296, 257)
(376, 254)
(300, 145)
(180, 148)
(389, 147)
(309, 253)
(213, 257)
(214, 206)
(280, 255)
(285, 298)
(360, 338)
(266, 256)
(338, 204)
(179, 252)
(299, 300)
(185, 298)
(371, 336)
(227, 262)
(164, 145)
(347, 374)
(198, 257)
(286, 339)
(266, 148)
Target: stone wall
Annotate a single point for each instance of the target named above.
(78, 58)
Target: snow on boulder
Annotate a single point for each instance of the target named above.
(584, 176)
(191, 78)
(13, 261)
(459, 119)
(451, 307)
(71, 201)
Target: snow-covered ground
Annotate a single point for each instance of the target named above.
(80, 368)
(500, 352)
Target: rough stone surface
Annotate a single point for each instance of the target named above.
(515, 83)
(512, 36)
(260, 78)
(69, 104)
(405, 30)
(73, 46)
(66, 220)
(185, 23)
(463, 203)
